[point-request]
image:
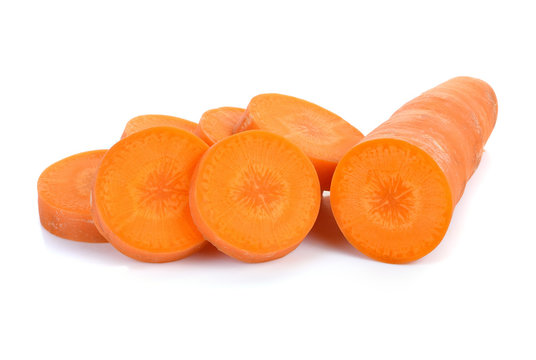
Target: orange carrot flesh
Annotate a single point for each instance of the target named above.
(148, 121)
(255, 196)
(393, 194)
(217, 124)
(391, 200)
(140, 198)
(324, 136)
(64, 197)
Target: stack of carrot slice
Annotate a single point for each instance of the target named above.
(249, 181)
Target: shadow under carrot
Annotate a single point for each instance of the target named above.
(326, 233)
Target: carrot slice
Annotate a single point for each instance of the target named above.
(322, 135)
(393, 194)
(148, 121)
(255, 196)
(140, 199)
(64, 197)
(217, 124)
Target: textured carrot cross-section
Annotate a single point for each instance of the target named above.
(393, 194)
(255, 196)
(64, 197)
(140, 199)
(322, 135)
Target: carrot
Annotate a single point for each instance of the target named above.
(148, 121)
(322, 135)
(63, 197)
(393, 194)
(140, 198)
(217, 124)
(255, 196)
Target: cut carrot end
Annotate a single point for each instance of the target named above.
(322, 135)
(140, 199)
(143, 122)
(64, 197)
(217, 124)
(391, 200)
(255, 196)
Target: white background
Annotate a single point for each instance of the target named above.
(73, 73)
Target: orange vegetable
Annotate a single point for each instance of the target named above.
(255, 196)
(393, 194)
(140, 199)
(148, 121)
(63, 197)
(217, 124)
(322, 135)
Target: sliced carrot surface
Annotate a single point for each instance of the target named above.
(391, 200)
(324, 136)
(393, 194)
(217, 124)
(148, 121)
(140, 199)
(255, 196)
(64, 197)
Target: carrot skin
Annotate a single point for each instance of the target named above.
(455, 119)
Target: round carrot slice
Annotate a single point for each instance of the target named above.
(322, 135)
(148, 121)
(64, 197)
(391, 200)
(255, 196)
(140, 199)
(217, 124)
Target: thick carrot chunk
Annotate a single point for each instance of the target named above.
(393, 194)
